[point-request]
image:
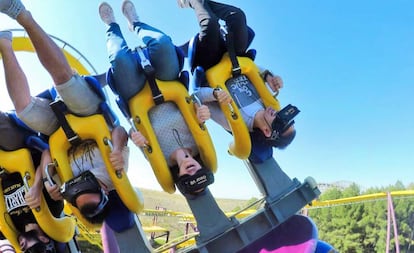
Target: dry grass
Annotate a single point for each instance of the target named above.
(177, 203)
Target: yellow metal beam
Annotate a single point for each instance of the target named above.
(358, 199)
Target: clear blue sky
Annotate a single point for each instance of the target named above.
(348, 65)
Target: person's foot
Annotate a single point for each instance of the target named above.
(12, 8)
(106, 13)
(6, 35)
(187, 3)
(128, 9)
(183, 3)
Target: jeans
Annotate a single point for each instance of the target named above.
(128, 75)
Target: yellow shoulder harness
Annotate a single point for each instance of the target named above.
(92, 127)
(217, 77)
(59, 229)
(173, 91)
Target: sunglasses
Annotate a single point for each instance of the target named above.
(40, 247)
(283, 120)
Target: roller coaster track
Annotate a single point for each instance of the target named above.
(80, 63)
(21, 42)
(359, 199)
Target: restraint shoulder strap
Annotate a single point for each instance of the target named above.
(228, 37)
(58, 108)
(150, 74)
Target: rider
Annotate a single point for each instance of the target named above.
(79, 98)
(174, 137)
(30, 235)
(209, 51)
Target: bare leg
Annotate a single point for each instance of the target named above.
(16, 80)
(49, 54)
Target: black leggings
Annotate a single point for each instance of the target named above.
(210, 47)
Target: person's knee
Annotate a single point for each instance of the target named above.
(211, 25)
(63, 76)
(161, 44)
(164, 59)
(235, 17)
(124, 60)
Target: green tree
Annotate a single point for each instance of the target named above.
(362, 227)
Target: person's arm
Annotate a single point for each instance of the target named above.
(53, 190)
(219, 95)
(119, 141)
(222, 96)
(203, 113)
(138, 139)
(119, 138)
(205, 94)
(33, 196)
(274, 82)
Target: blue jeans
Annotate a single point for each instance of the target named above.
(128, 75)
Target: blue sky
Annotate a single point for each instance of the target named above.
(347, 65)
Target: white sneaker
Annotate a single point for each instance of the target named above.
(106, 13)
(183, 3)
(128, 9)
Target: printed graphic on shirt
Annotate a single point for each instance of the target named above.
(15, 200)
(242, 91)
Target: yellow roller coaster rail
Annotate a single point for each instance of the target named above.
(360, 199)
(21, 42)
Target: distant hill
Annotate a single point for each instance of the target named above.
(177, 202)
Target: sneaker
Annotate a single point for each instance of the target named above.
(106, 13)
(183, 3)
(6, 35)
(128, 9)
(12, 8)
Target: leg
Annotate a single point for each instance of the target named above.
(49, 54)
(162, 52)
(34, 112)
(52, 58)
(73, 89)
(236, 23)
(127, 74)
(210, 47)
(208, 21)
(16, 80)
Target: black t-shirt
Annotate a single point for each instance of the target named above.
(13, 138)
(20, 213)
(16, 207)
